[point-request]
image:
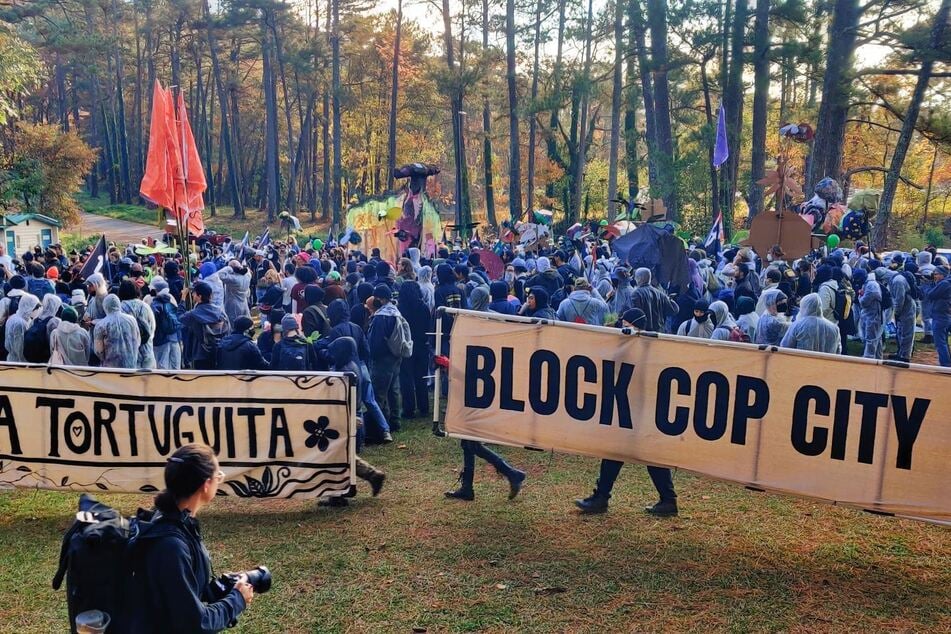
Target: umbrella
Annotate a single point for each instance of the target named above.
(493, 264)
(654, 248)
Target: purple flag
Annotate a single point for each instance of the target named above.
(721, 151)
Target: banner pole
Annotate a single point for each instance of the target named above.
(437, 391)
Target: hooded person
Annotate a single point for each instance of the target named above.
(17, 325)
(699, 325)
(293, 353)
(772, 325)
(116, 337)
(413, 254)
(36, 346)
(97, 288)
(270, 334)
(414, 370)
(314, 318)
(203, 327)
(746, 317)
(384, 361)
(826, 287)
(166, 341)
(358, 311)
(426, 287)
(545, 276)
(905, 311)
(723, 322)
(338, 312)
(582, 307)
(811, 331)
(622, 297)
(925, 271)
(537, 305)
(499, 294)
(236, 280)
(69, 342)
(479, 298)
(939, 294)
(176, 283)
(238, 351)
(654, 302)
(448, 294)
(145, 320)
(333, 287)
(870, 300)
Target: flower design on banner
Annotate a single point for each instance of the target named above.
(319, 435)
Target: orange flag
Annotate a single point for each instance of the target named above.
(194, 175)
(158, 182)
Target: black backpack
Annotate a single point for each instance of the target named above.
(914, 292)
(14, 305)
(291, 357)
(211, 336)
(887, 301)
(36, 343)
(95, 561)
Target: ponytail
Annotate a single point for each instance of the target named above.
(185, 472)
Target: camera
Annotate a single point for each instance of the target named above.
(259, 579)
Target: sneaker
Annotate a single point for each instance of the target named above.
(376, 482)
(334, 502)
(662, 509)
(387, 438)
(592, 505)
(461, 494)
(516, 480)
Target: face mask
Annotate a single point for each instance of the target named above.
(702, 318)
(769, 258)
(509, 276)
(781, 308)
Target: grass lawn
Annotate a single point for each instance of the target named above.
(734, 560)
(223, 222)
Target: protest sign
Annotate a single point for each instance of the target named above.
(277, 435)
(843, 430)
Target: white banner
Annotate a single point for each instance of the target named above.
(836, 428)
(276, 434)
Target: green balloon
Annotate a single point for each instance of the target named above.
(317, 243)
(832, 241)
(603, 223)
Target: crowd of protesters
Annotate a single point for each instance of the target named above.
(291, 307)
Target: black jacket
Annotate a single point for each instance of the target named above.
(172, 580)
(239, 352)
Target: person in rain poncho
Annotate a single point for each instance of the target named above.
(479, 298)
(581, 306)
(870, 299)
(116, 336)
(773, 323)
(426, 286)
(827, 288)
(746, 316)
(98, 289)
(925, 270)
(905, 311)
(69, 342)
(17, 325)
(623, 298)
(700, 325)
(236, 280)
(812, 331)
(142, 313)
(413, 254)
(723, 322)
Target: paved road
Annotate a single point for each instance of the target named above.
(121, 232)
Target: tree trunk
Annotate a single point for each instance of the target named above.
(575, 212)
(826, 157)
(880, 231)
(487, 131)
(639, 29)
(760, 105)
(234, 170)
(711, 125)
(657, 18)
(556, 98)
(615, 111)
(272, 169)
(733, 105)
(394, 95)
(463, 212)
(631, 161)
(336, 201)
(532, 121)
(515, 166)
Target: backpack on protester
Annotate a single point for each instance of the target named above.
(400, 341)
(39, 286)
(144, 335)
(166, 319)
(321, 318)
(11, 311)
(914, 292)
(291, 356)
(887, 301)
(842, 309)
(739, 335)
(36, 342)
(95, 562)
(211, 336)
(790, 277)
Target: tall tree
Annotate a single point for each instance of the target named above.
(487, 130)
(336, 202)
(760, 105)
(272, 174)
(394, 94)
(667, 176)
(511, 78)
(733, 105)
(582, 146)
(532, 121)
(456, 88)
(935, 41)
(616, 94)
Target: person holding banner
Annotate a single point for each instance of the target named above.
(663, 480)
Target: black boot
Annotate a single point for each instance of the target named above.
(664, 508)
(516, 480)
(336, 501)
(927, 339)
(592, 504)
(376, 481)
(461, 493)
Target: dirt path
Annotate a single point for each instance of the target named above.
(121, 232)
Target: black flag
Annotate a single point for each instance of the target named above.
(97, 262)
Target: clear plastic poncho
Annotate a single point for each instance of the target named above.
(812, 331)
(116, 336)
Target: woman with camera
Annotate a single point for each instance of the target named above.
(174, 584)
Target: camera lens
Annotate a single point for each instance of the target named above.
(260, 579)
